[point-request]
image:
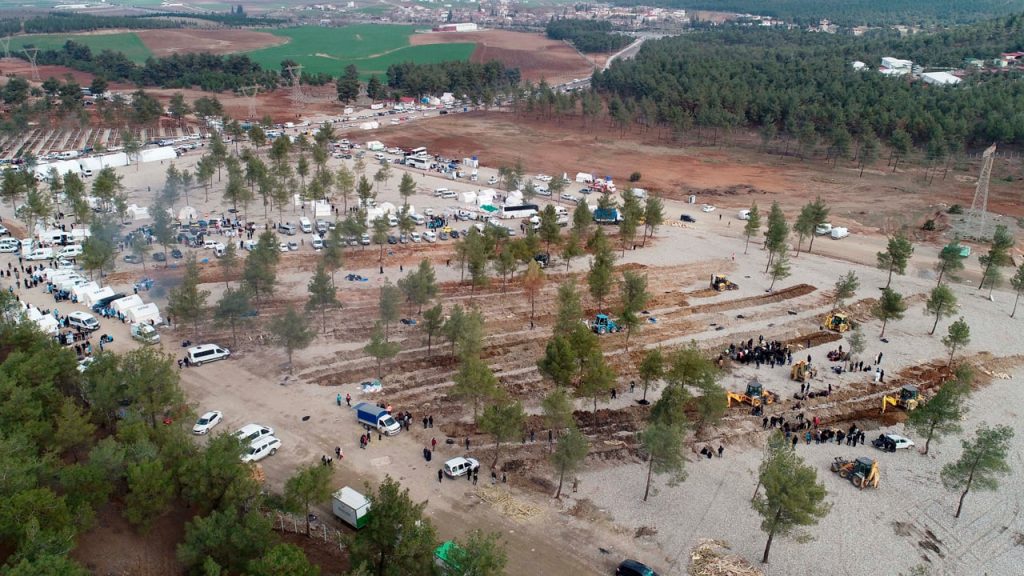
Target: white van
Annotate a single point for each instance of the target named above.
(317, 243)
(429, 236)
(70, 251)
(9, 245)
(392, 221)
(287, 229)
(418, 219)
(198, 355)
(26, 245)
(449, 195)
(83, 320)
(40, 254)
(306, 225)
(440, 192)
(261, 448)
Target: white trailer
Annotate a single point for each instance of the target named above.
(350, 507)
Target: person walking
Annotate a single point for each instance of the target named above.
(433, 444)
(348, 400)
(721, 449)
(339, 399)
(467, 443)
(430, 421)
(440, 476)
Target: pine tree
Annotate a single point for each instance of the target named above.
(941, 303)
(983, 460)
(321, 294)
(753, 225)
(291, 330)
(942, 413)
(889, 307)
(958, 336)
(186, 301)
(896, 256)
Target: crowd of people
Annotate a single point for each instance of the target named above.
(772, 353)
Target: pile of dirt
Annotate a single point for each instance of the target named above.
(712, 558)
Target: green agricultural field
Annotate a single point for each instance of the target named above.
(370, 47)
(127, 43)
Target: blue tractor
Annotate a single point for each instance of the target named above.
(602, 324)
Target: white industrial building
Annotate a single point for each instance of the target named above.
(895, 67)
(940, 78)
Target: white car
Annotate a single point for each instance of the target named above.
(543, 191)
(282, 246)
(569, 198)
(252, 432)
(892, 442)
(415, 237)
(261, 448)
(543, 177)
(492, 180)
(84, 364)
(207, 421)
(707, 208)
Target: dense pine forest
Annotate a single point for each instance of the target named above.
(795, 83)
(853, 12)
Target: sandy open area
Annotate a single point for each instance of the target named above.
(906, 522)
(536, 56)
(167, 42)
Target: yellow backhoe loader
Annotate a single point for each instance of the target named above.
(755, 396)
(861, 472)
(719, 283)
(908, 399)
(838, 322)
(802, 371)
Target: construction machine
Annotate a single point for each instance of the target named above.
(861, 472)
(908, 399)
(602, 324)
(755, 396)
(838, 322)
(719, 283)
(802, 371)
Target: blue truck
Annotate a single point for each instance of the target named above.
(376, 418)
(607, 216)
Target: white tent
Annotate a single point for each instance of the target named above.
(62, 167)
(79, 234)
(156, 154)
(53, 275)
(70, 282)
(484, 197)
(81, 290)
(126, 303)
(387, 208)
(515, 198)
(187, 214)
(33, 313)
(97, 163)
(320, 208)
(90, 298)
(469, 197)
(137, 212)
(369, 125)
(143, 314)
(48, 324)
(584, 177)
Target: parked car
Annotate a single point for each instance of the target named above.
(252, 432)
(492, 180)
(176, 254)
(892, 442)
(707, 208)
(634, 568)
(159, 257)
(207, 421)
(687, 218)
(132, 259)
(460, 466)
(261, 448)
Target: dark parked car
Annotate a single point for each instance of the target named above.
(132, 259)
(176, 254)
(634, 568)
(543, 259)
(392, 239)
(687, 218)
(159, 257)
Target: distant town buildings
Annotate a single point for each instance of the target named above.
(940, 78)
(895, 67)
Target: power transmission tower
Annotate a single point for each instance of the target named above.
(6, 44)
(250, 92)
(978, 215)
(31, 53)
(295, 73)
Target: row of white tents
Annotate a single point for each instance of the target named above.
(88, 293)
(94, 164)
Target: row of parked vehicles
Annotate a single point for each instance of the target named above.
(259, 440)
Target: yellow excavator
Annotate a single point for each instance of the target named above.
(720, 283)
(755, 396)
(861, 472)
(838, 322)
(908, 399)
(802, 371)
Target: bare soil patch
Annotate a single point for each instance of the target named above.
(536, 56)
(167, 42)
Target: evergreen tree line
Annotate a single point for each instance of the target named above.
(587, 35)
(470, 78)
(63, 22)
(208, 71)
(789, 82)
(850, 12)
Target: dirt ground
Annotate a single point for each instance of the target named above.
(536, 56)
(167, 42)
(590, 531)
